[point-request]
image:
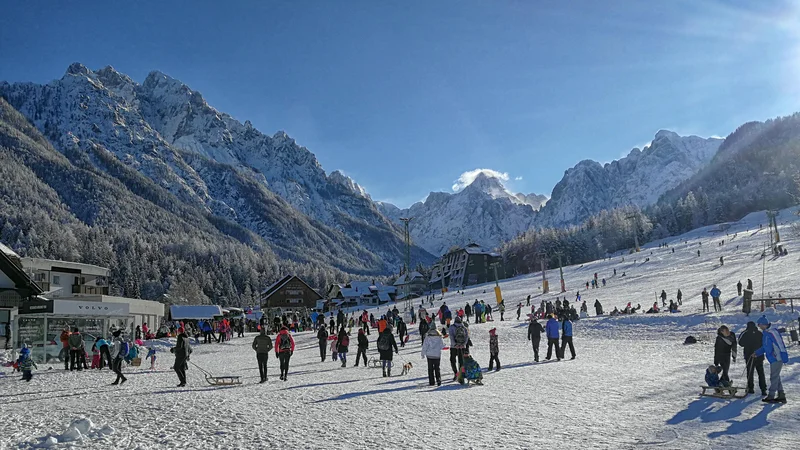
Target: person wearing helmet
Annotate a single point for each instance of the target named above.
(25, 363)
(774, 349)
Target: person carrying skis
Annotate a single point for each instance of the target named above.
(262, 344)
(724, 350)
(751, 340)
(459, 337)
(432, 351)
(386, 343)
(774, 349)
(363, 344)
(322, 337)
(284, 349)
(566, 339)
(494, 350)
(552, 329)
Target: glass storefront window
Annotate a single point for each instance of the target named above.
(30, 331)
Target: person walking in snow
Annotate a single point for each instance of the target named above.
(704, 295)
(502, 309)
(774, 349)
(182, 350)
(25, 363)
(598, 308)
(120, 349)
(402, 331)
(739, 288)
(529, 300)
(663, 298)
(363, 344)
(343, 345)
(715, 295)
(724, 350)
(459, 337)
(680, 297)
(552, 329)
(432, 351)
(535, 331)
(566, 338)
(284, 349)
(262, 344)
(519, 310)
(423, 329)
(494, 350)
(322, 338)
(751, 340)
(386, 343)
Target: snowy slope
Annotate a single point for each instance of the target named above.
(484, 212)
(639, 178)
(633, 384)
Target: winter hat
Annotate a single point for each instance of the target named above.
(25, 351)
(458, 319)
(117, 333)
(763, 320)
(493, 331)
(712, 368)
(180, 330)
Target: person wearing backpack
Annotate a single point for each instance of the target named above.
(284, 349)
(120, 349)
(386, 342)
(363, 344)
(262, 345)
(343, 346)
(459, 337)
(322, 337)
(432, 351)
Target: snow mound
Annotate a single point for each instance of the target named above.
(79, 430)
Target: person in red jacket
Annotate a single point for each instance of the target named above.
(284, 349)
(64, 353)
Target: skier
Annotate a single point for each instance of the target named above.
(432, 351)
(552, 338)
(535, 331)
(774, 349)
(566, 339)
(322, 337)
(363, 344)
(117, 354)
(343, 346)
(386, 342)
(262, 344)
(459, 337)
(715, 294)
(284, 349)
(724, 350)
(680, 297)
(704, 295)
(663, 298)
(750, 340)
(739, 288)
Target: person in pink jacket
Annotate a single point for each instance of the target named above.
(284, 349)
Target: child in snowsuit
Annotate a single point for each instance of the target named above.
(334, 347)
(470, 371)
(494, 350)
(151, 355)
(712, 378)
(26, 364)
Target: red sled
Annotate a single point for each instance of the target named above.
(406, 339)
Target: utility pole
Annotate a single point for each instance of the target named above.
(545, 283)
(635, 230)
(561, 272)
(407, 236)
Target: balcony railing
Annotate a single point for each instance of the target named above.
(92, 290)
(44, 285)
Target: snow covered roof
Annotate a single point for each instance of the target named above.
(479, 251)
(194, 312)
(413, 276)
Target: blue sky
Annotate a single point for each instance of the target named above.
(406, 96)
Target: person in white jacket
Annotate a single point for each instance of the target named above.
(432, 350)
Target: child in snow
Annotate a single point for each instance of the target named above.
(95, 357)
(470, 371)
(25, 363)
(494, 350)
(334, 347)
(712, 378)
(151, 355)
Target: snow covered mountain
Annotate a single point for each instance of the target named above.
(484, 212)
(639, 178)
(169, 133)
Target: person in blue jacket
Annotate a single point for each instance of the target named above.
(566, 338)
(552, 337)
(715, 295)
(774, 349)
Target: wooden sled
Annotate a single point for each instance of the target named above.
(136, 362)
(720, 392)
(225, 380)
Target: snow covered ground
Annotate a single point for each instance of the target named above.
(633, 385)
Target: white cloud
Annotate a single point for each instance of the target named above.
(467, 178)
(519, 178)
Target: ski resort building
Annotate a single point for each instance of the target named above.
(290, 292)
(16, 287)
(467, 266)
(357, 293)
(414, 283)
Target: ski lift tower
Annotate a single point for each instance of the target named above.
(545, 283)
(407, 236)
(775, 238)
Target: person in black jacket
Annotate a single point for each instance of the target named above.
(423, 329)
(402, 330)
(724, 350)
(322, 336)
(363, 345)
(751, 340)
(181, 351)
(598, 308)
(535, 331)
